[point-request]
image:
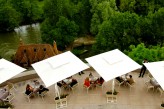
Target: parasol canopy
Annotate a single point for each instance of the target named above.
(8, 70)
(157, 71)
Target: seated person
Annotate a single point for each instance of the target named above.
(91, 78)
(64, 84)
(69, 77)
(74, 81)
(120, 79)
(42, 89)
(87, 82)
(80, 73)
(130, 80)
(100, 81)
(90, 75)
(36, 82)
(29, 89)
(59, 84)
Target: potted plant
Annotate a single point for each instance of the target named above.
(109, 93)
(63, 97)
(162, 105)
(111, 96)
(5, 105)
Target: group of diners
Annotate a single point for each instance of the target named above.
(125, 79)
(35, 88)
(67, 83)
(92, 81)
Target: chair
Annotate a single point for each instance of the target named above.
(161, 91)
(28, 96)
(10, 87)
(100, 85)
(149, 86)
(9, 98)
(130, 85)
(73, 87)
(62, 103)
(119, 83)
(42, 94)
(86, 87)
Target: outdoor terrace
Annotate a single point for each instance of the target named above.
(137, 98)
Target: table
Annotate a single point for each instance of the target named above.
(3, 94)
(93, 79)
(67, 81)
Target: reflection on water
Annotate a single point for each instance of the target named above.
(9, 42)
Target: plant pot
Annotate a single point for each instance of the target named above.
(110, 95)
(162, 105)
(5, 108)
(61, 100)
(111, 98)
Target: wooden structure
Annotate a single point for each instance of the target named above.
(31, 53)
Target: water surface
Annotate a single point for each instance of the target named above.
(9, 42)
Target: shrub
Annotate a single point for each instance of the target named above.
(110, 92)
(61, 96)
(5, 104)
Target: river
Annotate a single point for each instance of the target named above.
(9, 42)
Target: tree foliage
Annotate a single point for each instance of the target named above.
(152, 28)
(140, 52)
(140, 7)
(118, 32)
(29, 10)
(14, 13)
(101, 11)
(63, 20)
(113, 23)
(64, 33)
(9, 18)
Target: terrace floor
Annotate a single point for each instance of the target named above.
(137, 98)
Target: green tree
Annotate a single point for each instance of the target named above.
(158, 26)
(101, 11)
(140, 52)
(127, 5)
(53, 9)
(146, 33)
(152, 28)
(140, 7)
(9, 18)
(119, 31)
(64, 33)
(73, 18)
(29, 10)
(82, 16)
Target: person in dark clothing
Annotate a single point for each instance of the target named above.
(59, 84)
(100, 81)
(143, 69)
(29, 89)
(42, 89)
(74, 81)
(120, 79)
(80, 73)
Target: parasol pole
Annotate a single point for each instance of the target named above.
(58, 94)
